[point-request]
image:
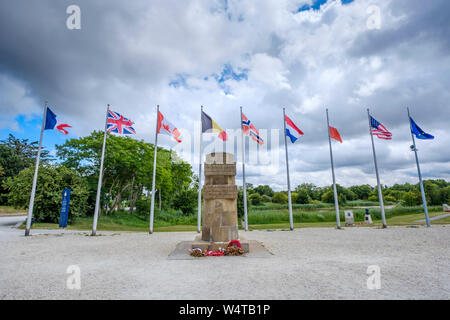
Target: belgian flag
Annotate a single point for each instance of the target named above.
(210, 124)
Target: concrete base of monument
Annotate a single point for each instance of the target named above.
(252, 248)
(215, 246)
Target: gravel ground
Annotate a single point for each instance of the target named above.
(321, 263)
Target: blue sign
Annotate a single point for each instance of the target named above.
(64, 208)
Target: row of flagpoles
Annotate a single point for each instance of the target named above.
(117, 123)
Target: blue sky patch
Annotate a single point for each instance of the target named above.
(317, 3)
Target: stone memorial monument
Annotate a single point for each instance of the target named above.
(368, 217)
(220, 221)
(349, 219)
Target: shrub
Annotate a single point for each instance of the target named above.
(411, 198)
(390, 199)
(373, 198)
(303, 197)
(255, 199)
(280, 197)
(328, 197)
(266, 198)
(52, 179)
(185, 200)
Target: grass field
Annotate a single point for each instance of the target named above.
(273, 216)
(4, 210)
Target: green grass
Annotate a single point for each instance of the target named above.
(5, 210)
(264, 219)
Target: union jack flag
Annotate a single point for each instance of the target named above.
(249, 129)
(117, 123)
(377, 129)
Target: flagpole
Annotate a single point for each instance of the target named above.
(100, 177)
(152, 206)
(424, 199)
(36, 171)
(380, 193)
(336, 202)
(291, 220)
(244, 186)
(199, 204)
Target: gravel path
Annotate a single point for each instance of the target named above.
(320, 263)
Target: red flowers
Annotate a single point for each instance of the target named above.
(235, 244)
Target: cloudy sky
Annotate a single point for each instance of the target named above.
(263, 55)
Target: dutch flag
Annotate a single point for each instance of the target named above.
(292, 131)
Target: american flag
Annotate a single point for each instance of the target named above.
(117, 123)
(377, 129)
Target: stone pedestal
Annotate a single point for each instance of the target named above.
(220, 221)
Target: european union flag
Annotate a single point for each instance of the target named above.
(419, 133)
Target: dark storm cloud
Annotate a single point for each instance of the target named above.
(128, 54)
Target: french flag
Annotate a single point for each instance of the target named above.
(292, 131)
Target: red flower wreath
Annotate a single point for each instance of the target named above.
(235, 244)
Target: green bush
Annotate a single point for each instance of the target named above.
(185, 200)
(52, 180)
(266, 198)
(373, 199)
(280, 197)
(303, 197)
(255, 199)
(411, 198)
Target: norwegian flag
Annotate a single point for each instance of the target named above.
(249, 129)
(117, 123)
(377, 129)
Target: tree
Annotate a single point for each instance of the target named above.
(328, 197)
(128, 168)
(411, 198)
(280, 197)
(16, 155)
(264, 190)
(255, 199)
(303, 197)
(185, 200)
(52, 180)
(313, 191)
(362, 192)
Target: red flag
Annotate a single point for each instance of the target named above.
(334, 133)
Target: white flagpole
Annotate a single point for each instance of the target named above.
(100, 177)
(336, 201)
(199, 204)
(244, 186)
(422, 190)
(36, 170)
(152, 206)
(380, 193)
(291, 219)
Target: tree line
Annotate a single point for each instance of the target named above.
(127, 177)
(437, 193)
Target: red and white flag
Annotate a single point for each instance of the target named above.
(167, 128)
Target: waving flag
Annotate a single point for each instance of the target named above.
(209, 124)
(418, 132)
(167, 128)
(249, 129)
(117, 123)
(377, 129)
(291, 130)
(334, 134)
(52, 124)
